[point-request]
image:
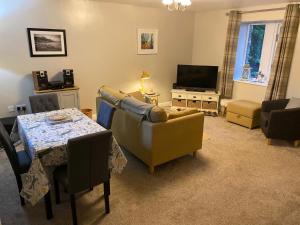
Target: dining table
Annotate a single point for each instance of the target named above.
(46, 143)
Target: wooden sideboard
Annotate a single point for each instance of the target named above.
(207, 101)
(67, 97)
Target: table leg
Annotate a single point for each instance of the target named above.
(48, 206)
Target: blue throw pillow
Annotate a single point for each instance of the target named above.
(105, 114)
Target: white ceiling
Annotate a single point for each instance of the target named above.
(202, 5)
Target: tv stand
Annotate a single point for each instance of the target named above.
(206, 101)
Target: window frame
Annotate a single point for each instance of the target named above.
(270, 48)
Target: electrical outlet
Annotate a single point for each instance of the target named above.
(21, 107)
(11, 108)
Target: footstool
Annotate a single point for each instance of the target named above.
(243, 112)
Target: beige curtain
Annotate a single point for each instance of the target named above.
(281, 65)
(230, 53)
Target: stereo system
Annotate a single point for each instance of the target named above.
(68, 78)
(40, 80)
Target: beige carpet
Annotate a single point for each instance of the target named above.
(236, 179)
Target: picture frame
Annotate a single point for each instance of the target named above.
(47, 42)
(147, 41)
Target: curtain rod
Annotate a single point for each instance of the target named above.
(260, 10)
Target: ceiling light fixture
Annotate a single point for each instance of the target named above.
(178, 5)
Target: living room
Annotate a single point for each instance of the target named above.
(217, 172)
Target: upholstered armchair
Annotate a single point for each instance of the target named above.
(280, 123)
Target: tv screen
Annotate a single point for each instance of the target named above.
(197, 77)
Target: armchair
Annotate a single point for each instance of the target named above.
(280, 123)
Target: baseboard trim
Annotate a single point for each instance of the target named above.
(165, 104)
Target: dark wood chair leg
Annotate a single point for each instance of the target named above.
(109, 184)
(73, 208)
(20, 185)
(106, 196)
(91, 188)
(48, 206)
(57, 194)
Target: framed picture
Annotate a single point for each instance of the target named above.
(47, 42)
(147, 41)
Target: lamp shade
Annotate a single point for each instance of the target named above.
(145, 75)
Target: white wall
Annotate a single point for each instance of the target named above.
(101, 41)
(209, 44)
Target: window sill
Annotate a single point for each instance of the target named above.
(252, 83)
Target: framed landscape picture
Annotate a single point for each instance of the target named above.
(47, 42)
(147, 41)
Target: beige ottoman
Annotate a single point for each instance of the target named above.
(243, 112)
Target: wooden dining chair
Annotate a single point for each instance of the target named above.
(44, 103)
(87, 167)
(20, 162)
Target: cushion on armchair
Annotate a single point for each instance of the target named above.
(157, 115)
(293, 103)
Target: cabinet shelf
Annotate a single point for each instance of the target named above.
(204, 101)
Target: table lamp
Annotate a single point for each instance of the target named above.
(145, 76)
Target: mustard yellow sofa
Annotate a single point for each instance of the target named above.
(156, 142)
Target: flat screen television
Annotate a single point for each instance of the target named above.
(198, 78)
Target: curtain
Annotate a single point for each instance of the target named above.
(281, 66)
(230, 53)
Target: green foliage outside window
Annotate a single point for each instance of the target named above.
(254, 47)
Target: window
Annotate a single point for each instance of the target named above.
(255, 52)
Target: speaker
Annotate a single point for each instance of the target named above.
(40, 80)
(68, 78)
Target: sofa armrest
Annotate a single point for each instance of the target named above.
(177, 136)
(285, 123)
(268, 106)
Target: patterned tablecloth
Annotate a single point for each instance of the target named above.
(46, 144)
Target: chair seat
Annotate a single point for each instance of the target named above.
(24, 161)
(61, 175)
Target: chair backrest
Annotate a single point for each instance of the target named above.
(88, 160)
(9, 148)
(105, 114)
(44, 103)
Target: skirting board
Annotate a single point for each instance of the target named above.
(165, 104)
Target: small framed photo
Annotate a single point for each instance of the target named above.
(47, 42)
(147, 41)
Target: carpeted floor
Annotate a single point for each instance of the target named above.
(235, 179)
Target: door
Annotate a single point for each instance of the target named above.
(68, 99)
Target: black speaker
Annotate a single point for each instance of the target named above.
(40, 80)
(68, 78)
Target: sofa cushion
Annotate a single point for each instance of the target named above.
(138, 95)
(112, 96)
(176, 114)
(157, 114)
(134, 105)
(293, 103)
(149, 112)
